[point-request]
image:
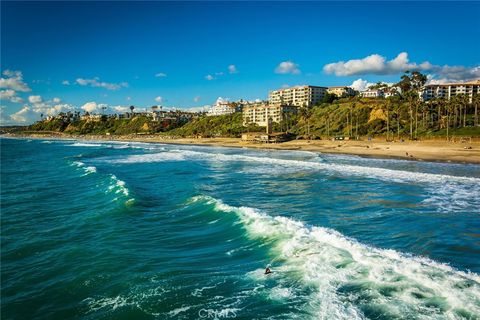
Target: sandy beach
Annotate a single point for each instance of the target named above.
(463, 151)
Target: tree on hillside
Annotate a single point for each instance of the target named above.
(410, 84)
(476, 103)
(132, 108)
(305, 114)
(329, 97)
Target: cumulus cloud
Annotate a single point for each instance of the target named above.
(35, 99)
(93, 107)
(14, 80)
(160, 75)
(197, 109)
(66, 82)
(56, 100)
(209, 77)
(379, 65)
(30, 113)
(287, 67)
(361, 85)
(25, 115)
(95, 82)
(159, 99)
(121, 109)
(232, 68)
(10, 95)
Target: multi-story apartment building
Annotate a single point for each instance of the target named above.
(221, 107)
(300, 96)
(260, 113)
(372, 93)
(448, 90)
(341, 91)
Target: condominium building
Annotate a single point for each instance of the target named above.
(341, 91)
(260, 113)
(221, 107)
(300, 96)
(372, 93)
(448, 90)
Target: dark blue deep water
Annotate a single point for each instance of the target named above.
(105, 230)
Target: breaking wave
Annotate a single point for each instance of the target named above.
(373, 172)
(87, 169)
(355, 281)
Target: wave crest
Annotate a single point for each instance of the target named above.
(353, 280)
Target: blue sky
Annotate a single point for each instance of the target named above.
(68, 54)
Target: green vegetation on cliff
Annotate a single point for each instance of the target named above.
(215, 126)
(111, 125)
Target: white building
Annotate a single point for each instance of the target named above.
(372, 93)
(260, 113)
(221, 107)
(300, 96)
(341, 91)
(448, 90)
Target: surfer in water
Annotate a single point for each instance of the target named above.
(268, 271)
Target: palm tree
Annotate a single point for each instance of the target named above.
(411, 98)
(450, 108)
(386, 107)
(476, 103)
(305, 115)
(131, 108)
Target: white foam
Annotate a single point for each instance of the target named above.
(347, 274)
(118, 186)
(150, 157)
(87, 169)
(81, 144)
(177, 311)
(343, 169)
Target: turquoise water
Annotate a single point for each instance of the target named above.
(104, 230)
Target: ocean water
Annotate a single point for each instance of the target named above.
(110, 230)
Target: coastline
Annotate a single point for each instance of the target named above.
(437, 151)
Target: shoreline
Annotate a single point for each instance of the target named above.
(435, 151)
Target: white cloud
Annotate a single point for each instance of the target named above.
(197, 109)
(96, 83)
(161, 75)
(121, 109)
(93, 107)
(360, 85)
(66, 82)
(56, 100)
(287, 67)
(10, 95)
(35, 99)
(14, 81)
(28, 114)
(232, 68)
(129, 98)
(209, 77)
(53, 110)
(220, 100)
(159, 99)
(197, 99)
(379, 65)
(25, 115)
